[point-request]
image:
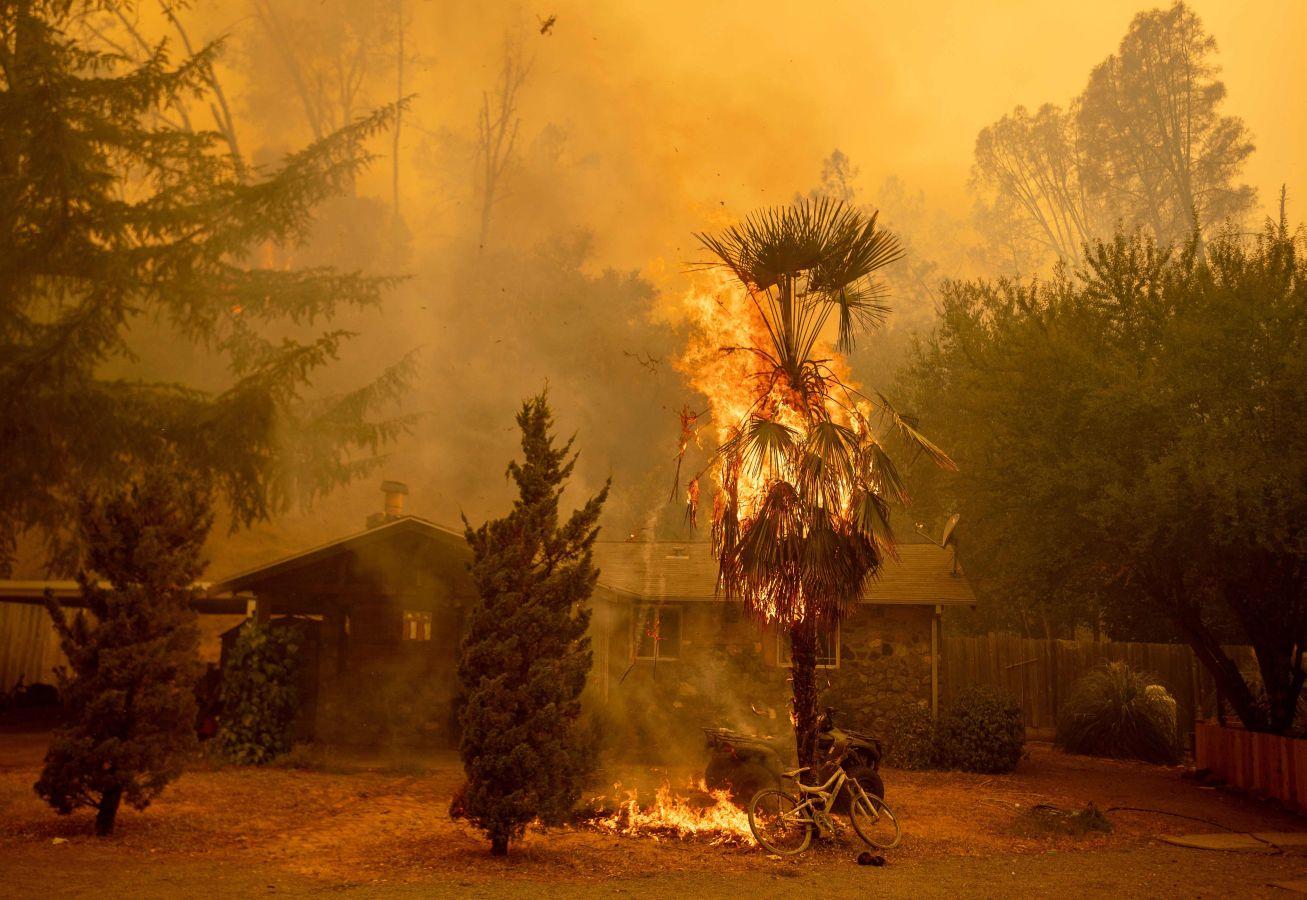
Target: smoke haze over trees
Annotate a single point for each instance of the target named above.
(1146, 144)
(628, 132)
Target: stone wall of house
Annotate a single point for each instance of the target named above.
(884, 664)
(728, 674)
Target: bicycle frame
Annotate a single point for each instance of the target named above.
(826, 793)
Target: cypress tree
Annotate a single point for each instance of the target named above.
(132, 662)
(525, 655)
(114, 224)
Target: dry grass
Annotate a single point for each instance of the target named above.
(354, 819)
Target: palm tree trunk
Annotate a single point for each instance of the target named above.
(803, 686)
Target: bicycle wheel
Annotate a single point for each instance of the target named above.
(778, 824)
(874, 821)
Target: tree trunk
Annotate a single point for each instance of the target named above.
(499, 843)
(107, 811)
(803, 686)
(1229, 681)
(1282, 677)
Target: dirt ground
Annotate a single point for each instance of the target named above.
(379, 827)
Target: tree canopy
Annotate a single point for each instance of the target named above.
(118, 225)
(1131, 442)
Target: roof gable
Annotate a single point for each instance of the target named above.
(394, 530)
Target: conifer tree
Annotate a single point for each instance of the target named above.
(132, 662)
(113, 222)
(525, 654)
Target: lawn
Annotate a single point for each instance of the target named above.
(379, 825)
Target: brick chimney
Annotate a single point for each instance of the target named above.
(393, 508)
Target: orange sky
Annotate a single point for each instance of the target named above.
(694, 109)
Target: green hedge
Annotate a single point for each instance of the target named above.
(983, 730)
(260, 694)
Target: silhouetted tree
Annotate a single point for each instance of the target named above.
(497, 127)
(1035, 162)
(526, 655)
(1156, 144)
(114, 222)
(132, 663)
(1145, 144)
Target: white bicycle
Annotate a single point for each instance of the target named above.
(785, 825)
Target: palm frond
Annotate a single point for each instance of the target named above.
(884, 474)
(765, 446)
(908, 432)
(870, 516)
(828, 461)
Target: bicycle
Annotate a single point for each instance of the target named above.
(785, 826)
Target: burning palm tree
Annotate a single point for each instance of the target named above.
(805, 481)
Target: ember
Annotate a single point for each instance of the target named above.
(695, 814)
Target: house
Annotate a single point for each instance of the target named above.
(668, 652)
(388, 602)
(668, 647)
(383, 609)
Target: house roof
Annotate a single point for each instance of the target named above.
(672, 570)
(69, 594)
(655, 570)
(395, 528)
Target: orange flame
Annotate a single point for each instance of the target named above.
(678, 817)
(720, 362)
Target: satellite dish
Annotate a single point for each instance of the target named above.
(949, 526)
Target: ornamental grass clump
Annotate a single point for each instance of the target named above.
(1117, 712)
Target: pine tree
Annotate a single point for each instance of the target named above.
(525, 655)
(130, 693)
(114, 223)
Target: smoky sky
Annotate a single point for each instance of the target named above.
(639, 124)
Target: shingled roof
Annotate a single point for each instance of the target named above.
(670, 570)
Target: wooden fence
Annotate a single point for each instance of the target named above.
(1040, 673)
(1264, 764)
(29, 645)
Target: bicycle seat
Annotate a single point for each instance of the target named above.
(794, 773)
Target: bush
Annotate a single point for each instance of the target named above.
(260, 694)
(983, 730)
(1117, 712)
(908, 733)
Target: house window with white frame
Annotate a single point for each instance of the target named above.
(828, 648)
(656, 632)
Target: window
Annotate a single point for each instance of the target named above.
(828, 648)
(417, 625)
(656, 632)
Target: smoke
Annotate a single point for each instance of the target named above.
(633, 126)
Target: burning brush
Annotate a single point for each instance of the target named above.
(693, 814)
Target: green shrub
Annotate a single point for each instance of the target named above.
(983, 730)
(908, 733)
(1117, 712)
(260, 694)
